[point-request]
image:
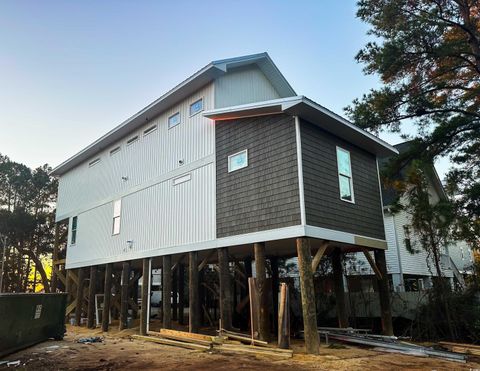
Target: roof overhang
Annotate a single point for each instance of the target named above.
(177, 94)
(312, 112)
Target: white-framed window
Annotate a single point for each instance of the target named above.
(73, 235)
(150, 130)
(132, 140)
(115, 150)
(117, 210)
(196, 107)
(345, 180)
(174, 120)
(238, 161)
(182, 179)
(94, 162)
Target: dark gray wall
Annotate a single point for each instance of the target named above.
(265, 194)
(323, 205)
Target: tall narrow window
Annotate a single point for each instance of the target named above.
(117, 209)
(73, 237)
(345, 175)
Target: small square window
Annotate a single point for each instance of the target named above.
(196, 107)
(238, 161)
(174, 120)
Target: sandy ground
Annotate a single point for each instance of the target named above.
(119, 352)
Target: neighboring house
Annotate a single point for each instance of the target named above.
(407, 271)
(229, 158)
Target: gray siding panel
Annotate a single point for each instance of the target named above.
(323, 206)
(265, 194)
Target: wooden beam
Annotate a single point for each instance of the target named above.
(372, 263)
(284, 318)
(145, 289)
(71, 307)
(205, 261)
(174, 295)
(92, 285)
(312, 341)
(79, 296)
(225, 289)
(275, 289)
(339, 289)
(124, 295)
(107, 296)
(384, 293)
(179, 262)
(59, 262)
(261, 275)
(56, 244)
(194, 314)
(318, 256)
(181, 293)
(59, 274)
(167, 291)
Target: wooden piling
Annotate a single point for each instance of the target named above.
(92, 287)
(167, 291)
(145, 288)
(181, 293)
(261, 275)
(284, 318)
(107, 296)
(79, 296)
(124, 296)
(56, 246)
(225, 289)
(384, 293)
(175, 294)
(193, 318)
(339, 289)
(275, 290)
(312, 341)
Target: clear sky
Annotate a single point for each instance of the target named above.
(72, 70)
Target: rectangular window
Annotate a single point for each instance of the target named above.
(73, 236)
(174, 120)
(238, 161)
(117, 209)
(150, 130)
(94, 162)
(132, 140)
(115, 150)
(345, 175)
(196, 107)
(182, 179)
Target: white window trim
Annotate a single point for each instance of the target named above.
(195, 101)
(179, 120)
(117, 216)
(235, 154)
(352, 201)
(71, 232)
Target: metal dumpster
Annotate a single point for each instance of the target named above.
(26, 319)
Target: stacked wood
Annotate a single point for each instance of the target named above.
(255, 350)
(164, 341)
(462, 348)
(241, 337)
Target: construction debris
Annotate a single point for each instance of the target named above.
(241, 337)
(468, 349)
(89, 340)
(181, 344)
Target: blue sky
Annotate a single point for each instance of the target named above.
(72, 70)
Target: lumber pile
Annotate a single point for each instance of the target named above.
(468, 349)
(241, 337)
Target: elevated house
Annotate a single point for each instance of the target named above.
(229, 165)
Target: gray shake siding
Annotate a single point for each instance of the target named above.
(323, 206)
(265, 194)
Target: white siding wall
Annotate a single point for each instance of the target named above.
(462, 255)
(157, 216)
(243, 85)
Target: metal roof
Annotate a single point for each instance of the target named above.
(309, 110)
(177, 94)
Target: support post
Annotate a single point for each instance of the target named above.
(175, 294)
(124, 295)
(80, 300)
(339, 289)
(167, 291)
(145, 289)
(181, 293)
(384, 292)
(92, 286)
(56, 245)
(193, 318)
(275, 290)
(225, 289)
(261, 275)
(107, 296)
(312, 341)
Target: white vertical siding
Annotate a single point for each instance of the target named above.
(150, 157)
(243, 85)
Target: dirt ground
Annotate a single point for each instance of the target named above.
(119, 352)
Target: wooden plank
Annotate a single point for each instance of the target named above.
(107, 296)
(181, 293)
(205, 261)
(180, 338)
(249, 350)
(71, 307)
(59, 262)
(92, 285)
(372, 263)
(284, 318)
(184, 334)
(384, 293)
(80, 296)
(179, 262)
(261, 349)
(180, 344)
(60, 275)
(318, 255)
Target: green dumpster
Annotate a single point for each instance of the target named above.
(27, 319)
